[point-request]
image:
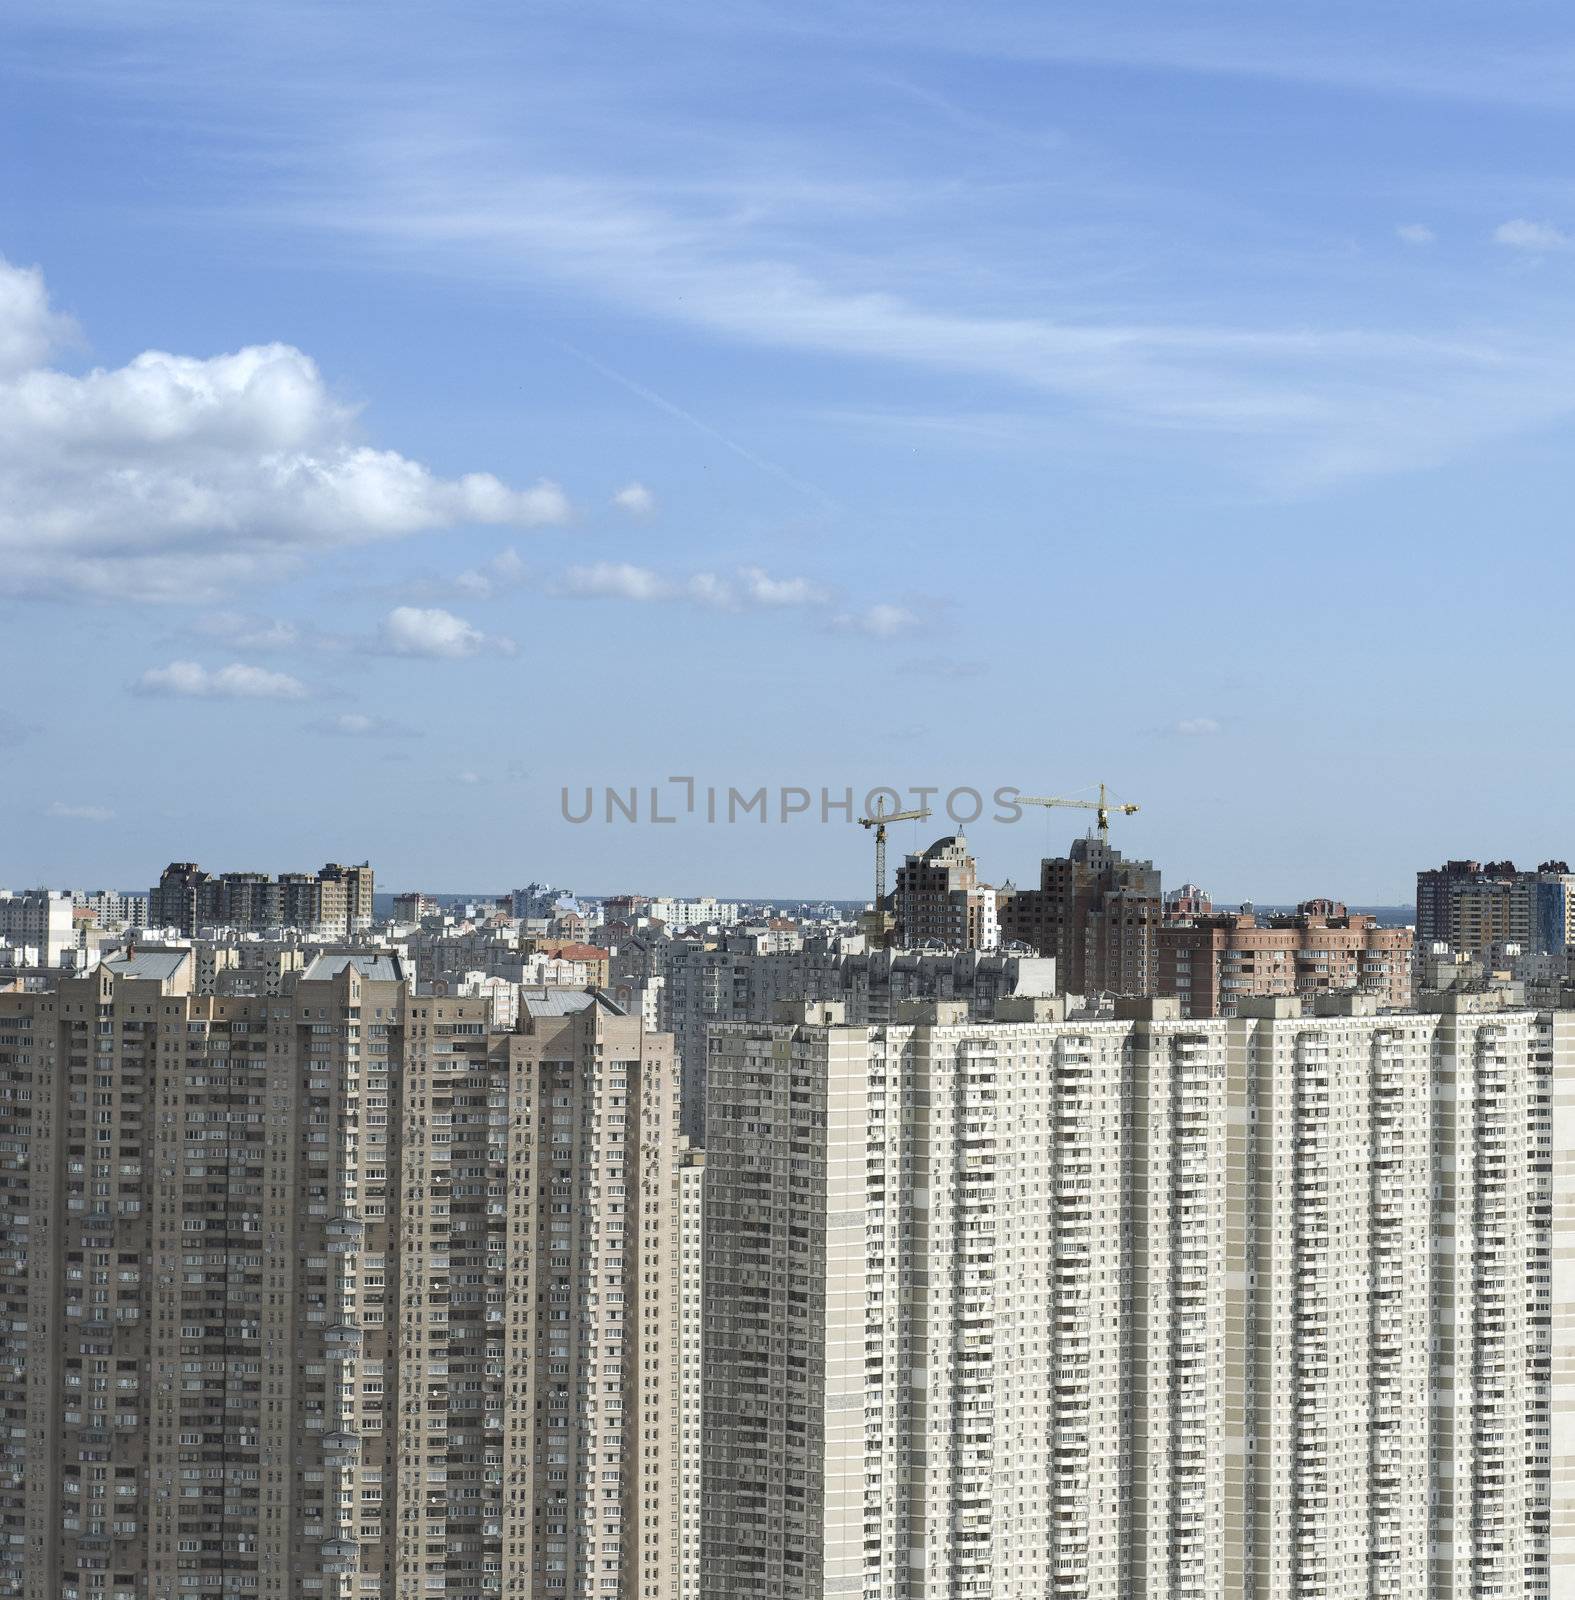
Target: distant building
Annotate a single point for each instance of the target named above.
(38, 919)
(535, 900)
(1096, 913)
(337, 899)
(1469, 905)
(626, 907)
(679, 914)
(939, 899)
(1211, 962)
(1188, 901)
(413, 907)
(112, 910)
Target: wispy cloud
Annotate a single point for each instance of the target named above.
(747, 588)
(1318, 404)
(191, 680)
(361, 725)
(877, 621)
(1197, 727)
(244, 631)
(1521, 234)
(741, 249)
(1417, 233)
(79, 813)
(662, 403)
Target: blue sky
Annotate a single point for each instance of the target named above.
(409, 411)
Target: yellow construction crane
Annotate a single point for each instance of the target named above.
(878, 823)
(1104, 805)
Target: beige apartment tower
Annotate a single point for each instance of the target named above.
(1141, 1308)
(335, 1295)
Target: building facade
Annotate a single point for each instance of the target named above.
(1470, 906)
(939, 900)
(336, 899)
(1211, 962)
(334, 1295)
(39, 919)
(112, 910)
(1141, 1308)
(1097, 914)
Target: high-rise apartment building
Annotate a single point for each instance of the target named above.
(336, 899)
(1141, 1308)
(111, 909)
(740, 983)
(679, 913)
(939, 899)
(1210, 962)
(1096, 913)
(335, 1295)
(41, 919)
(1470, 906)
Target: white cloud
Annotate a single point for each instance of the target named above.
(504, 571)
(29, 329)
(881, 621)
(636, 499)
(1415, 233)
(435, 634)
(178, 477)
(470, 778)
(1319, 403)
(360, 725)
(765, 590)
(1197, 727)
(746, 589)
(619, 580)
(1521, 234)
(190, 680)
(76, 813)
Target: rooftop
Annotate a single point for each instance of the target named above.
(373, 966)
(158, 965)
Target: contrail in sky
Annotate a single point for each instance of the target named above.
(652, 398)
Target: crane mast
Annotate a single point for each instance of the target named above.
(879, 922)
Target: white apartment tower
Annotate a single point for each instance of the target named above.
(1136, 1308)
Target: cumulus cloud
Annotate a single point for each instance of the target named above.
(435, 634)
(180, 477)
(78, 813)
(1415, 233)
(1521, 234)
(190, 680)
(29, 328)
(360, 725)
(636, 499)
(1197, 727)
